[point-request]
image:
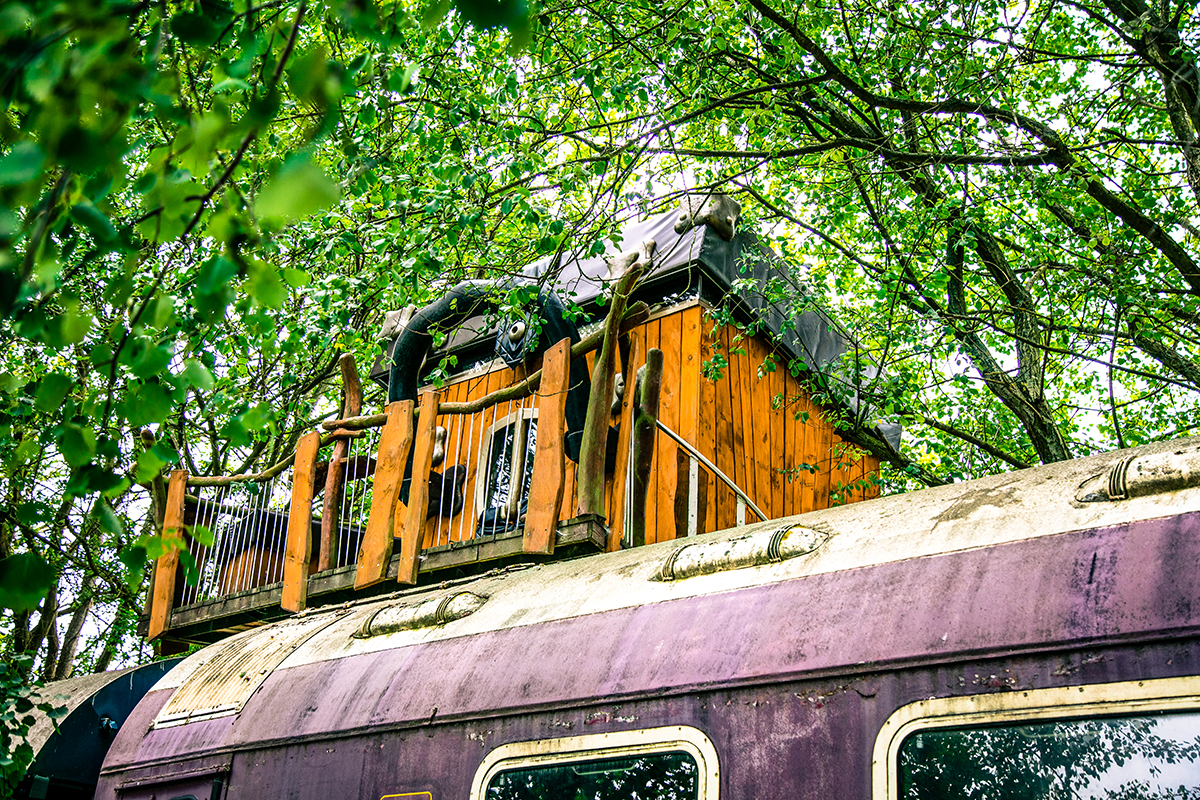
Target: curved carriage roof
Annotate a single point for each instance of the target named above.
(1004, 564)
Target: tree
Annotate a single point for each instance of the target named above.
(994, 197)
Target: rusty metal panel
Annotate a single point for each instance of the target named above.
(223, 684)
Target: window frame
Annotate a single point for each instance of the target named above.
(1124, 698)
(618, 744)
(483, 465)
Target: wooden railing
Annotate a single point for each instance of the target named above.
(260, 533)
(257, 532)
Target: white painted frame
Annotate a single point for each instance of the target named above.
(619, 744)
(1127, 698)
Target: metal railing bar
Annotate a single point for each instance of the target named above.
(696, 454)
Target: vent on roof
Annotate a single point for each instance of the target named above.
(426, 614)
(763, 547)
(221, 686)
(1138, 476)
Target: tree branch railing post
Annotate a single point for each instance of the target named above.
(413, 532)
(594, 447)
(327, 557)
(645, 414)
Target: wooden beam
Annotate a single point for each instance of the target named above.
(167, 564)
(549, 462)
(594, 447)
(413, 532)
(298, 545)
(645, 412)
(335, 477)
(394, 443)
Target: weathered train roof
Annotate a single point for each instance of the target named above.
(1003, 564)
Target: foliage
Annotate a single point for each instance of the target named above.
(18, 702)
(201, 205)
(997, 199)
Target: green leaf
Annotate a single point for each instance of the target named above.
(148, 465)
(295, 277)
(92, 218)
(74, 324)
(134, 558)
(299, 189)
(264, 285)
(22, 164)
(51, 391)
(24, 580)
(150, 403)
(196, 374)
(162, 311)
(77, 444)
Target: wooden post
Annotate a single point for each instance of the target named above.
(594, 446)
(298, 545)
(624, 442)
(394, 443)
(645, 412)
(549, 462)
(335, 477)
(167, 564)
(413, 532)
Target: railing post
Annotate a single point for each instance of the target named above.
(594, 445)
(624, 441)
(645, 413)
(549, 462)
(298, 545)
(413, 532)
(167, 564)
(335, 477)
(394, 442)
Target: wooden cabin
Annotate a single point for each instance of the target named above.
(716, 433)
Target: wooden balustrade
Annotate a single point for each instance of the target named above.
(406, 430)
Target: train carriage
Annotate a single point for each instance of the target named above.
(1031, 634)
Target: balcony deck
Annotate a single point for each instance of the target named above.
(211, 620)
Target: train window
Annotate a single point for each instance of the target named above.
(1117, 741)
(666, 776)
(1123, 757)
(675, 763)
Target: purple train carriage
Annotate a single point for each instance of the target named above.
(1028, 635)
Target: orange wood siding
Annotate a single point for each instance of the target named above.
(758, 426)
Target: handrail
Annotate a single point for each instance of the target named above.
(696, 454)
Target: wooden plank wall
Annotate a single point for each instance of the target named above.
(751, 423)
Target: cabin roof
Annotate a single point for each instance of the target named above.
(971, 567)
